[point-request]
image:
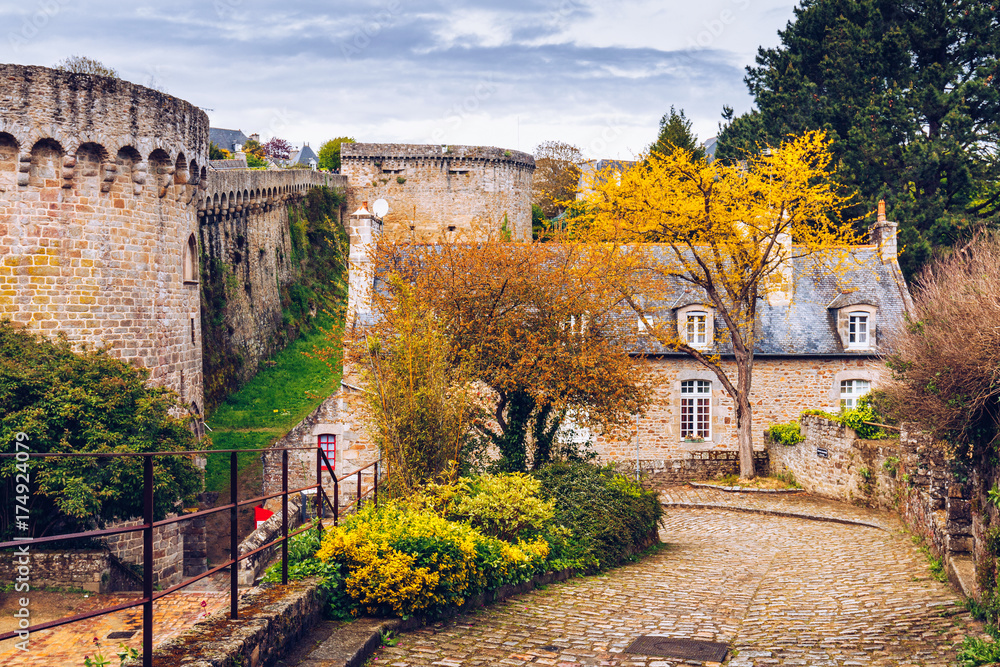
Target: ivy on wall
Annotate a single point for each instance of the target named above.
(317, 293)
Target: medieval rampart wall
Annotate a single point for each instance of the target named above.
(246, 245)
(442, 192)
(99, 186)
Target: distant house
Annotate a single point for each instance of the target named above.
(227, 139)
(304, 156)
(591, 167)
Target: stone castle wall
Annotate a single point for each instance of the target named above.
(245, 236)
(108, 207)
(439, 193)
(782, 388)
(99, 187)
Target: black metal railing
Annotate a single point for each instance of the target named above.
(149, 525)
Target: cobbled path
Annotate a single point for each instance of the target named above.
(780, 590)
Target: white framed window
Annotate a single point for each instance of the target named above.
(696, 409)
(695, 325)
(858, 330)
(653, 320)
(696, 329)
(851, 391)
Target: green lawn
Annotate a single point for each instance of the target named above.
(286, 390)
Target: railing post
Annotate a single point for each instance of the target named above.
(319, 487)
(336, 500)
(358, 508)
(147, 561)
(234, 579)
(284, 516)
(375, 493)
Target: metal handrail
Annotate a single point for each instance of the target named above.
(148, 525)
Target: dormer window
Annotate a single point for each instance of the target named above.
(857, 325)
(697, 329)
(695, 326)
(857, 330)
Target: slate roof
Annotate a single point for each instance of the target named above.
(227, 139)
(808, 324)
(303, 156)
(226, 165)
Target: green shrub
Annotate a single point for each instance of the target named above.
(606, 513)
(506, 506)
(855, 418)
(302, 563)
(787, 434)
(976, 652)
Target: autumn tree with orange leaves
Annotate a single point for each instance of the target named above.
(728, 231)
(539, 326)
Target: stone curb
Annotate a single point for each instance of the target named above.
(740, 489)
(793, 515)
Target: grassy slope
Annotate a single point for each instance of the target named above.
(272, 403)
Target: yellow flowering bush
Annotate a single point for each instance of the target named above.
(402, 560)
(508, 505)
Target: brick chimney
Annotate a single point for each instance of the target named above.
(882, 235)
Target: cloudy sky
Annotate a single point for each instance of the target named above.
(598, 74)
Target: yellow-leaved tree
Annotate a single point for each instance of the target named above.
(730, 232)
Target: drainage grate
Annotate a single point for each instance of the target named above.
(686, 649)
(121, 635)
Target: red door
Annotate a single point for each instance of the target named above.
(328, 443)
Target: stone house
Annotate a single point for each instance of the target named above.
(819, 347)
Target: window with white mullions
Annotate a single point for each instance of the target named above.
(696, 409)
(851, 391)
(857, 330)
(697, 329)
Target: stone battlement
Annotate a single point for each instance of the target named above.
(435, 152)
(443, 193)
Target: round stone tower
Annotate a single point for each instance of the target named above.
(100, 181)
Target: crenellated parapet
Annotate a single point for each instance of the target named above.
(100, 181)
(443, 193)
(235, 192)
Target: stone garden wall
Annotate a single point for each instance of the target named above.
(909, 475)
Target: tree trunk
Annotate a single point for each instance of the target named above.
(744, 419)
(744, 430)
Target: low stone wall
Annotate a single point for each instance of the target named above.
(254, 566)
(696, 466)
(270, 621)
(89, 570)
(909, 475)
(833, 462)
(179, 549)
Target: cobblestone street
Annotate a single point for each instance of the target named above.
(781, 590)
